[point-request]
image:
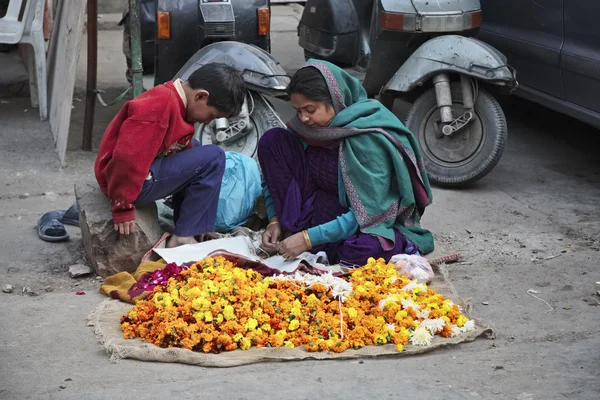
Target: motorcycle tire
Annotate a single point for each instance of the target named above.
(263, 118)
(467, 156)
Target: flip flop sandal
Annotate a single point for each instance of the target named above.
(71, 216)
(50, 229)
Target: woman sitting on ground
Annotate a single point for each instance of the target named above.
(346, 177)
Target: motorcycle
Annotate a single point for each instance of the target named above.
(263, 75)
(422, 51)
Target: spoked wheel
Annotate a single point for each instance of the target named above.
(262, 118)
(464, 157)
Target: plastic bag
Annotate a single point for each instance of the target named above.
(414, 267)
(240, 188)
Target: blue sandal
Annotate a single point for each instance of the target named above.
(50, 228)
(71, 216)
(51, 225)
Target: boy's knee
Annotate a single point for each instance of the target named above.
(211, 156)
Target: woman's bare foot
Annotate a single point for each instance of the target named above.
(175, 241)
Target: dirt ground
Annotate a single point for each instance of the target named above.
(529, 233)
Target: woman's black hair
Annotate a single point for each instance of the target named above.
(310, 83)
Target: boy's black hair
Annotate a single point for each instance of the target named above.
(309, 82)
(224, 84)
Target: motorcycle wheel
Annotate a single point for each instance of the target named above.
(465, 157)
(262, 118)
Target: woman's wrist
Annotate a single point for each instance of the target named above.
(274, 221)
(307, 240)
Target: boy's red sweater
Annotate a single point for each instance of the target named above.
(150, 126)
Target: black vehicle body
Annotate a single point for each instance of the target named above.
(555, 46)
(194, 24)
(349, 34)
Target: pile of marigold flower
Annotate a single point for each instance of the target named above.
(213, 306)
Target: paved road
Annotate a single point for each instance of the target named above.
(541, 201)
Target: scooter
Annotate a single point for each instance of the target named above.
(264, 77)
(421, 51)
(173, 30)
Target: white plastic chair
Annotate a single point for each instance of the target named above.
(29, 31)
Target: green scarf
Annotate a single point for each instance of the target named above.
(380, 161)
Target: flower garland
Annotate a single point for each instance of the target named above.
(213, 306)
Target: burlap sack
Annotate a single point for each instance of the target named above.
(106, 322)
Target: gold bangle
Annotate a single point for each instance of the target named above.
(273, 223)
(307, 239)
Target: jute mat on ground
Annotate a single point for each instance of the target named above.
(106, 322)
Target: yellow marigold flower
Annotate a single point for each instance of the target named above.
(219, 318)
(352, 313)
(312, 299)
(399, 348)
(281, 333)
(245, 344)
(208, 316)
(461, 321)
(237, 337)
(199, 316)
(257, 312)
(400, 315)
(294, 325)
(223, 302)
(266, 327)
(289, 344)
(229, 313)
(193, 292)
(251, 324)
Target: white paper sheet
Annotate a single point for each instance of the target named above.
(195, 252)
(237, 245)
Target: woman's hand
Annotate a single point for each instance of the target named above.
(271, 237)
(293, 246)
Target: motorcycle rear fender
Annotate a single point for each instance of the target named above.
(454, 54)
(261, 71)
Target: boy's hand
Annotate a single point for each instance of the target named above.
(125, 228)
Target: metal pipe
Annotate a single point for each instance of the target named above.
(92, 70)
(467, 92)
(137, 72)
(443, 96)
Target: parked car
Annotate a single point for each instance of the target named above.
(555, 47)
(186, 26)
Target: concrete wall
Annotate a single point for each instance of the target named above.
(111, 6)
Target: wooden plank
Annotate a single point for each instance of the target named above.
(63, 61)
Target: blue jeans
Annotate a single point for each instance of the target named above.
(194, 179)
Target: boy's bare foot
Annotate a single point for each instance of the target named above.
(175, 241)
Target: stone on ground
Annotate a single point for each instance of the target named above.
(78, 270)
(108, 251)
